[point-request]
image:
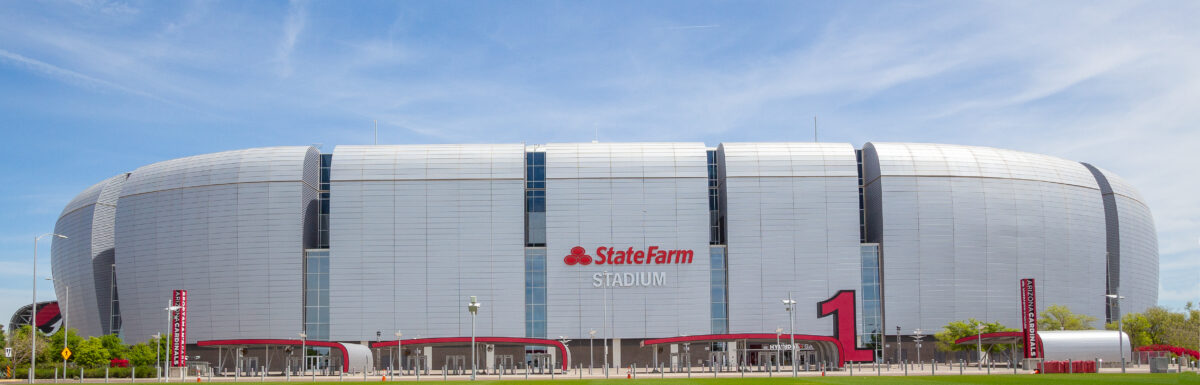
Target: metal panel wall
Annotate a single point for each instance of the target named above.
(960, 225)
(793, 226)
(622, 195)
(417, 229)
(227, 227)
(71, 261)
(1139, 247)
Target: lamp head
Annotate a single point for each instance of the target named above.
(399, 334)
(592, 332)
(474, 305)
(173, 308)
(61, 236)
(303, 335)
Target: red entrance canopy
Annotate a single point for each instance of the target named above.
(485, 340)
(324, 344)
(824, 341)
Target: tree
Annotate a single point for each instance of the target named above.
(140, 355)
(116, 348)
(54, 345)
(956, 330)
(20, 344)
(90, 353)
(143, 353)
(1161, 326)
(1059, 317)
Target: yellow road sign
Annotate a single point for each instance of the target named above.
(66, 353)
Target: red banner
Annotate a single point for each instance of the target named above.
(179, 329)
(1029, 318)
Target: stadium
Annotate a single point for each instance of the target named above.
(642, 248)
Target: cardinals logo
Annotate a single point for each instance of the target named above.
(578, 256)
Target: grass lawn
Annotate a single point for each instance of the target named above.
(1183, 378)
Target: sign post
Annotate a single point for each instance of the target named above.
(1029, 319)
(179, 329)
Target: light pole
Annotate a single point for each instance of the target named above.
(979, 342)
(779, 332)
(564, 341)
(157, 355)
(591, 350)
(169, 309)
(33, 308)
(399, 352)
(917, 336)
(304, 353)
(65, 326)
(604, 321)
(473, 307)
(1120, 328)
(789, 304)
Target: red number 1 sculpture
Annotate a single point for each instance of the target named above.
(841, 306)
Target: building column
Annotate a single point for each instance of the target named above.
(617, 354)
(428, 358)
(490, 356)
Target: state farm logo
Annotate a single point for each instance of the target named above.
(578, 256)
(653, 255)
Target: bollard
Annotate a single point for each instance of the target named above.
(851, 369)
(341, 376)
(444, 372)
(105, 375)
(634, 369)
(314, 376)
(364, 375)
(132, 373)
(905, 365)
(526, 372)
(1070, 366)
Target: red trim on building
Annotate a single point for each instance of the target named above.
(751, 336)
(485, 340)
(323, 344)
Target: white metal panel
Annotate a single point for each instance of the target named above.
(627, 195)
(416, 229)
(960, 226)
(793, 226)
(229, 228)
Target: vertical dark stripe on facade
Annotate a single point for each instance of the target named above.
(718, 255)
(535, 244)
(1112, 232)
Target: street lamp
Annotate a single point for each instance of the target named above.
(917, 336)
(779, 332)
(400, 352)
(591, 350)
(66, 330)
(604, 321)
(789, 304)
(473, 307)
(169, 309)
(1120, 329)
(979, 342)
(564, 341)
(158, 355)
(304, 354)
(33, 308)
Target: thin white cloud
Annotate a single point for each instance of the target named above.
(293, 25)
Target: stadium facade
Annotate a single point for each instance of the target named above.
(633, 240)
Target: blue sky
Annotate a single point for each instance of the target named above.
(93, 88)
